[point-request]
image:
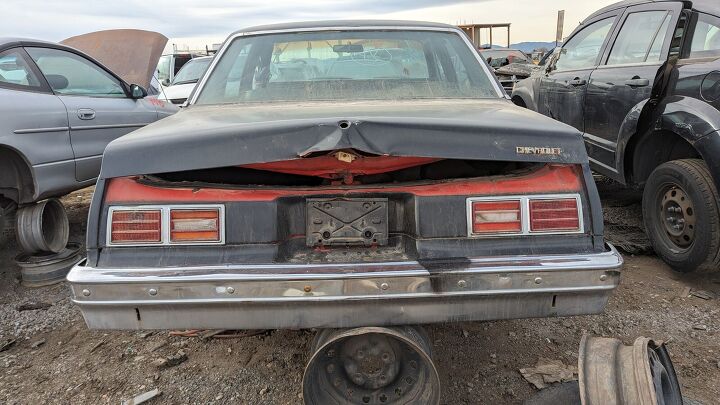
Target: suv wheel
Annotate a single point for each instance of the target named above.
(682, 215)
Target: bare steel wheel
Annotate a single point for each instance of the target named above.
(682, 215)
(371, 366)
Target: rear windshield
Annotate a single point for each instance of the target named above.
(347, 65)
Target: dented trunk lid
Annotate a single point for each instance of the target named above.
(252, 135)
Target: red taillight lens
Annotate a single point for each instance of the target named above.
(136, 226)
(496, 217)
(194, 225)
(554, 215)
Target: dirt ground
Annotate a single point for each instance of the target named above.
(56, 359)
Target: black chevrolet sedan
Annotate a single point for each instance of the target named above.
(346, 174)
(641, 80)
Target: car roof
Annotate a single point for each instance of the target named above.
(706, 6)
(8, 42)
(299, 26)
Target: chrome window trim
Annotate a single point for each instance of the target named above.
(216, 59)
(165, 224)
(524, 214)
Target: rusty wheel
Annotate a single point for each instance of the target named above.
(371, 366)
(611, 373)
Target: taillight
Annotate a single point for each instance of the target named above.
(141, 226)
(166, 225)
(194, 225)
(524, 215)
(496, 217)
(553, 215)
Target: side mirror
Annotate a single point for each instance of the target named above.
(165, 82)
(137, 92)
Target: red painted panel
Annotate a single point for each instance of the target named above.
(328, 166)
(548, 179)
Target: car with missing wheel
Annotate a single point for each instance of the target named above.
(60, 107)
(641, 80)
(346, 174)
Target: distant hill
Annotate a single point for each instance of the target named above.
(527, 46)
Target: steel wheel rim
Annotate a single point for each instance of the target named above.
(677, 216)
(396, 370)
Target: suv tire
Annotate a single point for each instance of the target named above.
(682, 215)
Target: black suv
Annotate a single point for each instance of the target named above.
(641, 80)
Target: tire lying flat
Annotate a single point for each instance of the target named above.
(682, 215)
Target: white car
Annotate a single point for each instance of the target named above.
(184, 81)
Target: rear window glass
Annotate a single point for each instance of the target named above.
(347, 65)
(15, 72)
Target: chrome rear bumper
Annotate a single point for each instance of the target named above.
(345, 295)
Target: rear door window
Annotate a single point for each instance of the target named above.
(583, 50)
(71, 74)
(641, 38)
(15, 72)
(706, 38)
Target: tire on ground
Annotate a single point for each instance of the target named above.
(694, 178)
(567, 393)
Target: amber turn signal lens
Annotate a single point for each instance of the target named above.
(194, 225)
(496, 217)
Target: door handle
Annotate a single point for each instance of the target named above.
(577, 82)
(637, 82)
(86, 113)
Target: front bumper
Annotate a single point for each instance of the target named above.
(345, 295)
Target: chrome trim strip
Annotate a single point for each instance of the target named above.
(165, 224)
(284, 300)
(524, 214)
(89, 127)
(89, 157)
(39, 130)
(333, 271)
(200, 86)
(59, 162)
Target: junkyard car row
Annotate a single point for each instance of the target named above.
(364, 177)
(60, 109)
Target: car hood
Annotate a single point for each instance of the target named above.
(203, 137)
(177, 91)
(131, 54)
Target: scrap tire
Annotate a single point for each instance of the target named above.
(683, 190)
(567, 393)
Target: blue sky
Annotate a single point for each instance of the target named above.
(209, 21)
